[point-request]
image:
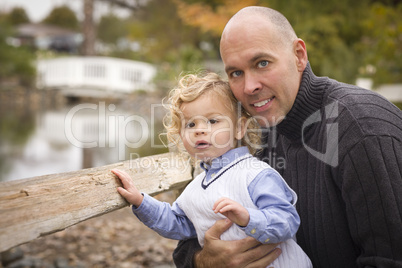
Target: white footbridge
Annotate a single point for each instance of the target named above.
(94, 76)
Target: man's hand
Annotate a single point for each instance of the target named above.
(247, 252)
(232, 210)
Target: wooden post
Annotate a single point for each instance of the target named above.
(39, 206)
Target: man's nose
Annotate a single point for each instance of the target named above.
(251, 83)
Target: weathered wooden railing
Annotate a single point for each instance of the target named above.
(39, 206)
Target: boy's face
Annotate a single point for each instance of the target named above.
(209, 127)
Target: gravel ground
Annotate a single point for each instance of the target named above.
(117, 239)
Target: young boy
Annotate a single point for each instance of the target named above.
(207, 120)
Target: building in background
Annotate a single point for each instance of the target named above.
(48, 37)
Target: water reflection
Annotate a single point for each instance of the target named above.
(77, 136)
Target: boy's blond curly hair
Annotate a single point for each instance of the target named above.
(189, 88)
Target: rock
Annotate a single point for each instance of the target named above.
(61, 263)
(29, 262)
(11, 255)
(117, 239)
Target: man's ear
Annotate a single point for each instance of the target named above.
(301, 54)
(241, 128)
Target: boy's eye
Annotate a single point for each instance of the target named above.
(213, 121)
(190, 125)
(263, 63)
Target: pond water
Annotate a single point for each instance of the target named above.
(48, 140)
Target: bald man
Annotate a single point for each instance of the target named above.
(338, 146)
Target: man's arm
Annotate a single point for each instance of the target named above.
(218, 253)
(184, 253)
(372, 190)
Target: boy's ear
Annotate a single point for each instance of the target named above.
(241, 128)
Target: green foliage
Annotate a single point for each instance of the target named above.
(62, 16)
(187, 59)
(15, 130)
(166, 41)
(16, 62)
(111, 29)
(382, 42)
(399, 105)
(11, 129)
(160, 31)
(331, 32)
(17, 16)
(329, 54)
(212, 3)
(344, 37)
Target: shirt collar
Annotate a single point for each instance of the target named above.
(225, 159)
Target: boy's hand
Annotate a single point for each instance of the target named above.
(129, 192)
(232, 210)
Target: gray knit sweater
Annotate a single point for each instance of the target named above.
(340, 150)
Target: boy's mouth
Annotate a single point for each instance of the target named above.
(201, 144)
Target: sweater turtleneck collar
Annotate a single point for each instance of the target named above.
(308, 100)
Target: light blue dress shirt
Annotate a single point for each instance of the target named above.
(275, 215)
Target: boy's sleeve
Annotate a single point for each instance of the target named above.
(168, 221)
(276, 219)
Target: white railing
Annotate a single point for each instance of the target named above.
(109, 74)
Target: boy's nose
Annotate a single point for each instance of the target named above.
(201, 127)
(200, 132)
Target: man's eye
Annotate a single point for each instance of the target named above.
(213, 121)
(263, 64)
(190, 125)
(236, 73)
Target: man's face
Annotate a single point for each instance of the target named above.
(263, 72)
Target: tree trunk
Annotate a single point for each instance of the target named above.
(88, 47)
